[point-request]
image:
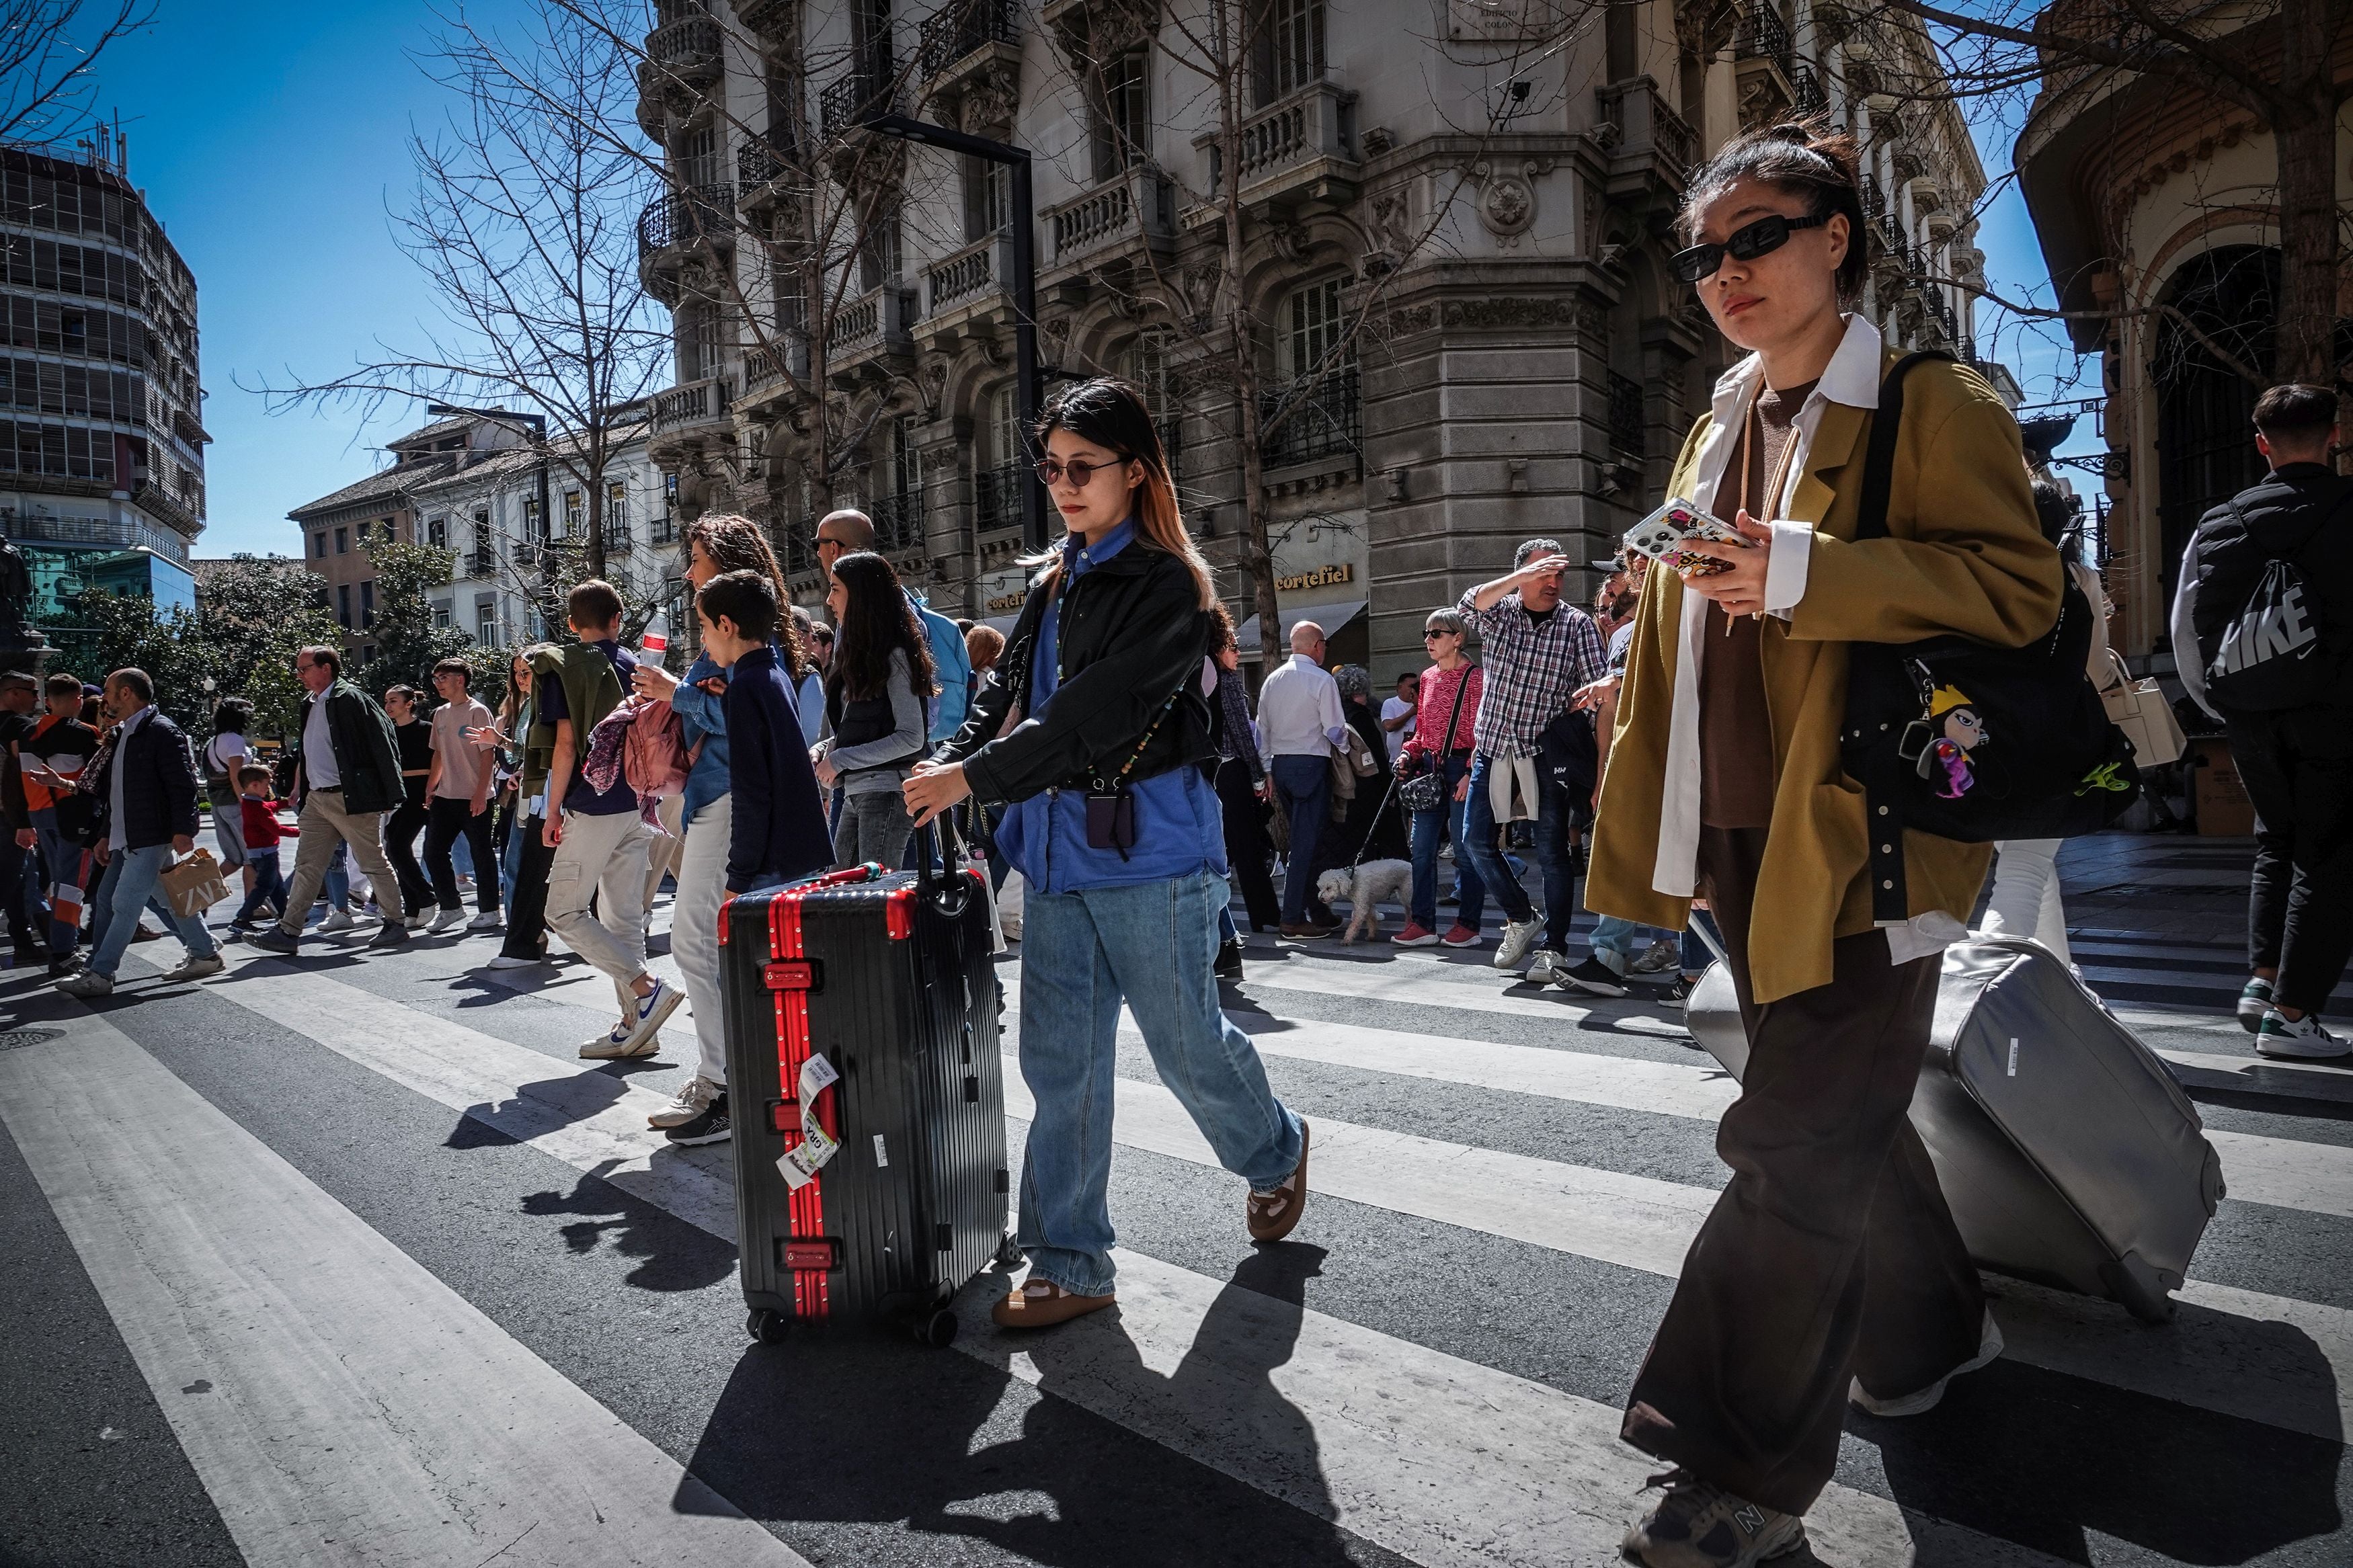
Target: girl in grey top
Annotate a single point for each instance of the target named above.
(876, 708)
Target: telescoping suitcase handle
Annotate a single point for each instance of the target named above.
(933, 879)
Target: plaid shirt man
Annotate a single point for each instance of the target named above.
(1532, 669)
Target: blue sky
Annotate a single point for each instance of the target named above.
(271, 139)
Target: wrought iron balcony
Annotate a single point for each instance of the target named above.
(693, 405)
(870, 88)
(696, 215)
(616, 535)
(1806, 94)
(1134, 203)
(758, 163)
(686, 50)
(1626, 416)
(997, 497)
(481, 561)
(1763, 36)
(1320, 416)
(962, 29)
(797, 545)
(898, 521)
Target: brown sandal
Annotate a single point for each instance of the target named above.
(1273, 1214)
(1041, 1304)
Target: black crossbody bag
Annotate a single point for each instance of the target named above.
(1964, 739)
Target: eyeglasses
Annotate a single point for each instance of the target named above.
(1050, 471)
(1746, 244)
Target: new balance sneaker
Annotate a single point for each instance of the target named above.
(489, 919)
(1924, 1400)
(1548, 967)
(1594, 977)
(1460, 935)
(89, 983)
(195, 968)
(337, 919)
(653, 1009)
(2254, 1000)
(2304, 1039)
(1659, 957)
(1679, 993)
(692, 1098)
(444, 919)
(1697, 1525)
(1414, 936)
(708, 1127)
(1518, 937)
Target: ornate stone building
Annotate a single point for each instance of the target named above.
(2146, 195)
(1453, 225)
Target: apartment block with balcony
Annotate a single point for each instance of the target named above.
(1460, 328)
(101, 431)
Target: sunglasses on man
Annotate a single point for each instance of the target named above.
(1748, 243)
(1050, 471)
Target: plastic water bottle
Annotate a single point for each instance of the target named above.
(654, 641)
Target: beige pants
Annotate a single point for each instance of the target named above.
(662, 854)
(323, 821)
(694, 928)
(603, 858)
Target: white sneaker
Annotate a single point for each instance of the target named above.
(1518, 937)
(489, 919)
(1988, 1348)
(1660, 956)
(688, 1103)
(2303, 1040)
(1547, 967)
(415, 919)
(445, 919)
(195, 969)
(653, 1010)
(616, 1046)
(337, 919)
(508, 961)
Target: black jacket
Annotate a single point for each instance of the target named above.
(2301, 513)
(159, 785)
(367, 753)
(1130, 631)
(776, 827)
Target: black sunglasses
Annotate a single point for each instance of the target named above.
(1746, 244)
(1050, 471)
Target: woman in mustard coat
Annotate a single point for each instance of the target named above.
(1830, 1268)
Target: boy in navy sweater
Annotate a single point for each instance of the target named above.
(779, 830)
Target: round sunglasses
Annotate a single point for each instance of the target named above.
(1050, 471)
(1745, 244)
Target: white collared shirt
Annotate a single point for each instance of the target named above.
(1851, 378)
(1299, 710)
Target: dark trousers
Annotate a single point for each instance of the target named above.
(446, 819)
(527, 920)
(1303, 792)
(2297, 767)
(1832, 1254)
(268, 884)
(18, 877)
(400, 831)
(1248, 854)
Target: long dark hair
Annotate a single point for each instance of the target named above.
(1805, 158)
(877, 620)
(232, 716)
(1109, 412)
(735, 543)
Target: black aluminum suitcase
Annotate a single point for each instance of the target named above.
(2066, 1150)
(886, 979)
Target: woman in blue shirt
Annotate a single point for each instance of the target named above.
(1119, 837)
(715, 542)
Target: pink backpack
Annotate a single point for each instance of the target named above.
(644, 743)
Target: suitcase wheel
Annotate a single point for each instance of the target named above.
(1009, 1254)
(767, 1325)
(937, 1330)
(2136, 1288)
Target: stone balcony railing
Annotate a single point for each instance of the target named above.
(1646, 129)
(1133, 204)
(772, 363)
(692, 406)
(877, 322)
(979, 269)
(687, 50)
(1293, 142)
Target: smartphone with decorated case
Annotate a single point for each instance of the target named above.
(1665, 536)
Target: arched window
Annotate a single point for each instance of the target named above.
(2205, 435)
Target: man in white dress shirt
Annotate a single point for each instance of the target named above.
(1300, 719)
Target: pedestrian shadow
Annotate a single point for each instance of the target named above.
(955, 1445)
(2047, 1460)
(670, 1254)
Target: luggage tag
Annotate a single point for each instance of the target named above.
(800, 1164)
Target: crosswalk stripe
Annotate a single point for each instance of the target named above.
(1639, 1222)
(1445, 1461)
(359, 1409)
(1634, 1222)
(2315, 1177)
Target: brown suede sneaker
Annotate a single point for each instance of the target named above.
(1273, 1214)
(1041, 1304)
(1697, 1525)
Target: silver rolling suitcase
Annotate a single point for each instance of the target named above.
(2068, 1154)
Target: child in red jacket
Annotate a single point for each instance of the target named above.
(262, 832)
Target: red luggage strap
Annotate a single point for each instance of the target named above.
(808, 1253)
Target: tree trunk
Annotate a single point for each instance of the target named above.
(2308, 218)
(1257, 555)
(595, 483)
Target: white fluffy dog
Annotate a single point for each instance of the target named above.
(1364, 887)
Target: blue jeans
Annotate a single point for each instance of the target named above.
(1302, 788)
(1696, 954)
(1555, 847)
(128, 887)
(1152, 944)
(268, 884)
(509, 858)
(65, 861)
(1430, 827)
(1624, 937)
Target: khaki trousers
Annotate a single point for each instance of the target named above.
(323, 821)
(604, 859)
(662, 854)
